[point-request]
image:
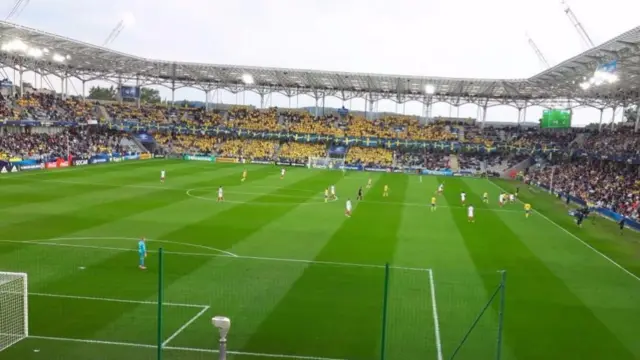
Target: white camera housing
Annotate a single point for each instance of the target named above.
(223, 324)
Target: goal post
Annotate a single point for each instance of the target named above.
(14, 308)
(326, 163)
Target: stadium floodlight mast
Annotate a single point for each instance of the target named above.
(223, 324)
(429, 89)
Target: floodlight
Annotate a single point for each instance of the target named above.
(429, 89)
(57, 58)
(68, 57)
(247, 79)
(45, 50)
(15, 45)
(585, 85)
(33, 52)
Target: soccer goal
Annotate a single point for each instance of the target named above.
(14, 308)
(327, 163)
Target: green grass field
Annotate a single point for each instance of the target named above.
(299, 279)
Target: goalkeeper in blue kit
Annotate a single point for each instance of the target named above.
(142, 253)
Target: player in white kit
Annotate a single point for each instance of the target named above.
(220, 194)
(463, 197)
(441, 189)
(470, 213)
(501, 199)
(512, 198)
(282, 171)
(333, 192)
(162, 176)
(347, 211)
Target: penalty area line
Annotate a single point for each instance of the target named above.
(311, 262)
(126, 301)
(186, 325)
(174, 348)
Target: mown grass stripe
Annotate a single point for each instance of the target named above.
(537, 300)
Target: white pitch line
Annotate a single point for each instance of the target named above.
(186, 349)
(312, 262)
(80, 238)
(183, 327)
(436, 321)
(142, 302)
(577, 238)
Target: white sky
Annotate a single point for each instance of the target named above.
(456, 38)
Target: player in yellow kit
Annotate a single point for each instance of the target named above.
(433, 203)
(244, 175)
(527, 210)
(326, 195)
(485, 198)
(385, 192)
(369, 183)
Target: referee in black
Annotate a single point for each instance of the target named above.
(359, 193)
(580, 215)
(621, 223)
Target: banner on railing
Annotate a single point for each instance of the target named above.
(99, 159)
(145, 156)
(226, 160)
(201, 158)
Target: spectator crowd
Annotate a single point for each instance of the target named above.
(615, 185)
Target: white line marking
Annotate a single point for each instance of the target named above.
(577, 238)
(183, 327)
(78, 238)
(313, 262)
(142, 302)
(434, 307)
(148, 346)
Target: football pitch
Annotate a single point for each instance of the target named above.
(299, 279)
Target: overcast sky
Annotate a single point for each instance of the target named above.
(456, 38)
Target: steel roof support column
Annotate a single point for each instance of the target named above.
(173, 93)
(484, 116)
(139, 91)
(600, 124)
(371, 104)
(262, 101)
(20, 72)
(524, 114)
(613, 116)
(206, 100)
(635, 128)
(519, 117)
(323, 98)
(316, 109)
(62, 92)
(84, 83)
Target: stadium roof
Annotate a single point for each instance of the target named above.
(66, 57)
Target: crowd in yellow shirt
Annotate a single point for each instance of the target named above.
(249, 149)
(300, 151)
(362, 155)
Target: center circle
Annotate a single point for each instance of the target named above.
(239, 195)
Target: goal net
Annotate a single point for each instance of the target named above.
(14, 322)
(325, 163)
